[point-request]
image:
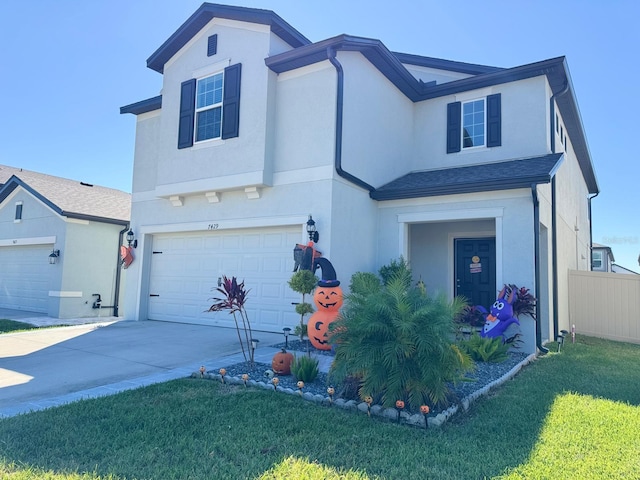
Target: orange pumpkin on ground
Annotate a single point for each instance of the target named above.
(281, 362)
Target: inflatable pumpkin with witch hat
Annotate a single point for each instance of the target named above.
(328, 299)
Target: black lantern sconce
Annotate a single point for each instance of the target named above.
(130, 239)
(53, 257)
(311, 230)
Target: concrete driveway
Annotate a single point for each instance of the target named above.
(53, 366)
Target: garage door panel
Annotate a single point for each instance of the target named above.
(185, 275)
(271, 291)
(251, 242)
(269, 319)
(25, 277)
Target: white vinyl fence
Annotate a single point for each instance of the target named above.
(605, 305)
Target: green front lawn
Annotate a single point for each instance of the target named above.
(7, 326)
(572, 415)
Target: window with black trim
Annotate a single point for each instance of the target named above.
(474, 123)
(18, 216)
(210, 107)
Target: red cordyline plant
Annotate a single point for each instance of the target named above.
(525, 303)
(233, 299)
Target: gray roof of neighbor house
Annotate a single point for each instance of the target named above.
(69, 198)
(521, 173)
(595, 245)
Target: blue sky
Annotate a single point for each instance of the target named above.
(69, 65)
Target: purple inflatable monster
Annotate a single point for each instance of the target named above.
(500, 317)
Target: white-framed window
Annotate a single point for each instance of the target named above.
(209, 107)
(473, 124)
(596, 259)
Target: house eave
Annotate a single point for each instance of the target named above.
(93, 218)
(206, 13)
(442, 64)
(459, 189)
(143, 106)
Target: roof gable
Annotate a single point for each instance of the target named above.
(68, 198)
(206, 13)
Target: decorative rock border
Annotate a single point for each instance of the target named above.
(416, 420)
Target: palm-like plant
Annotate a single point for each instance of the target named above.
(234, 296)
(398, 341)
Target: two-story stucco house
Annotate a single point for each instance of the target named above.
(477, 175)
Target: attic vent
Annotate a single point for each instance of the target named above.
(86, 184)
(212, 45)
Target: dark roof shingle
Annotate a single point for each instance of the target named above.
(68, 197)
(507, 175)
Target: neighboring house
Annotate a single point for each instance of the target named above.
(59, 244)
(615, 268)
(601, 258)
(477, 175)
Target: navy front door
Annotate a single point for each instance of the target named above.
(475, 270)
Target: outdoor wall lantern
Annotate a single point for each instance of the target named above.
(131, 240)
(53, 257)
(311, 230)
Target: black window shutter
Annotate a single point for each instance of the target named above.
(187, 113)
(231, 102)
(212, 45)
(454, 111)
(494, 121)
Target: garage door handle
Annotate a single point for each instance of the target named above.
(154, 295)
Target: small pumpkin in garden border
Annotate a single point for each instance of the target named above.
(281, 362)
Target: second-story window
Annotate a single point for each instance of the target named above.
(473, 122)
(209, 107)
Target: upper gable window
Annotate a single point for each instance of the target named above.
(18, 216)
(209, 107)
(473, 124)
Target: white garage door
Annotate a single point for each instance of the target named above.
(185, 269)
(24, 277)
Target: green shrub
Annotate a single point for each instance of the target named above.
(303, 282)
(397, 268)
(480, 349)
(398, 340)
(364, 283)
(305, 368)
